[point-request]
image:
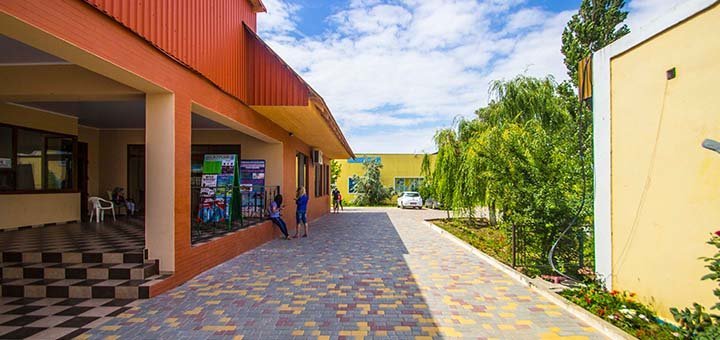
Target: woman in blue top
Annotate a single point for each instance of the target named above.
(301, 200)
(275, 208)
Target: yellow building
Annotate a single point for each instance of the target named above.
(400, 172)
(657, 194)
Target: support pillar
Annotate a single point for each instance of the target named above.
(160, 179)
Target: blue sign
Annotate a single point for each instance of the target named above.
(363, 159)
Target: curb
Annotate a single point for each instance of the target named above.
(604, 327)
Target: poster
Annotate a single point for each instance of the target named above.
(219, 194)
(252, 172)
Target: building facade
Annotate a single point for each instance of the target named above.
(101, 94)
(657, 190)
(402, 172)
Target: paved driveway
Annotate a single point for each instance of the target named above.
(362, 273)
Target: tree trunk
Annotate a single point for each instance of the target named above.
(493, 214)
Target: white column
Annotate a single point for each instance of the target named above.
(603, 176)
(160, 179)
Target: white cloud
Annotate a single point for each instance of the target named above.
(404, 68)
(279, 17)
(644, 11)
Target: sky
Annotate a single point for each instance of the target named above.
(394, 71)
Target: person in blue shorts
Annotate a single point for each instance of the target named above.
(275, 208)
(301, 200)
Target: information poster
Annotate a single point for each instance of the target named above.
(219, 193)
(252, 181)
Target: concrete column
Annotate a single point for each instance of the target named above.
(160, 179)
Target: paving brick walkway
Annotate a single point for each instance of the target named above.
(362, 273)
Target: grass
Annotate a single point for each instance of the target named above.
(477, 233)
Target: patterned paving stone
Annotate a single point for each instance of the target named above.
(364, 273)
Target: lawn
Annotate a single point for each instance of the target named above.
(489, 239)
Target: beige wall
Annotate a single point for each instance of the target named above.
(252, 148)
(37, 119)
(665, 186)
(36, 209)
(113, 157)
(91, 136)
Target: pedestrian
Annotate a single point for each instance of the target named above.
(336, 200)
(118, 197)
(301, 200)
(275, 208)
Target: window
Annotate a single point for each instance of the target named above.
(32, 160)
(7, 169)
(59, 163)
(407, 184)
(301, 170)
(318, 180)
(351, 185)
(326, 180)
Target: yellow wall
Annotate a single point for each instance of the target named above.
(660, 224)
(113, 157)
(394, 165)
(27, 210)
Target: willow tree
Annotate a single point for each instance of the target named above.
(445, 174)
(519, 153)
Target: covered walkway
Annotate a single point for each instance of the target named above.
(368, 272)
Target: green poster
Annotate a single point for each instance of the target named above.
(220, 199)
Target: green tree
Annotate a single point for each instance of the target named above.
(426, 187)
(597, 24)
(445, 174)
(519, 154)
(335, 170)
(370, 190)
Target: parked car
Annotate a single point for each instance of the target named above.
(431, 203)
(410, 199)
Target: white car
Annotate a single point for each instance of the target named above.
(410, 199)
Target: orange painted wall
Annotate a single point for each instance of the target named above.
(102, 36)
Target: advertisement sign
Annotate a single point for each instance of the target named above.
(252, 181)
(219, 194)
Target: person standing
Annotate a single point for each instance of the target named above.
(275, 208)
(301, 200)
(336, 200)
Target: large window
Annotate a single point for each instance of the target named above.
(318, 180)
(407, 184)
(322, 180)
(301, 170)
(36, 161)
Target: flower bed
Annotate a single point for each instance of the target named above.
(621, 310)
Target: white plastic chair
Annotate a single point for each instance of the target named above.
(98, 209)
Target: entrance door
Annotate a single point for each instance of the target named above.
(82, 162)
(136, 177)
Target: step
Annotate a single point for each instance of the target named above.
(135, 256)
(81, 271)
(80, 289)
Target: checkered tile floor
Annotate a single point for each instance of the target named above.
(122, 236)
(56, 318)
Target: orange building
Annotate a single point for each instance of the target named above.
(104, 94)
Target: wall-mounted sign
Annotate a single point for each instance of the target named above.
(363, 159)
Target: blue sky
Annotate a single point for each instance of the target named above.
(394, 71)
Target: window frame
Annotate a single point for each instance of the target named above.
(44, 169)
